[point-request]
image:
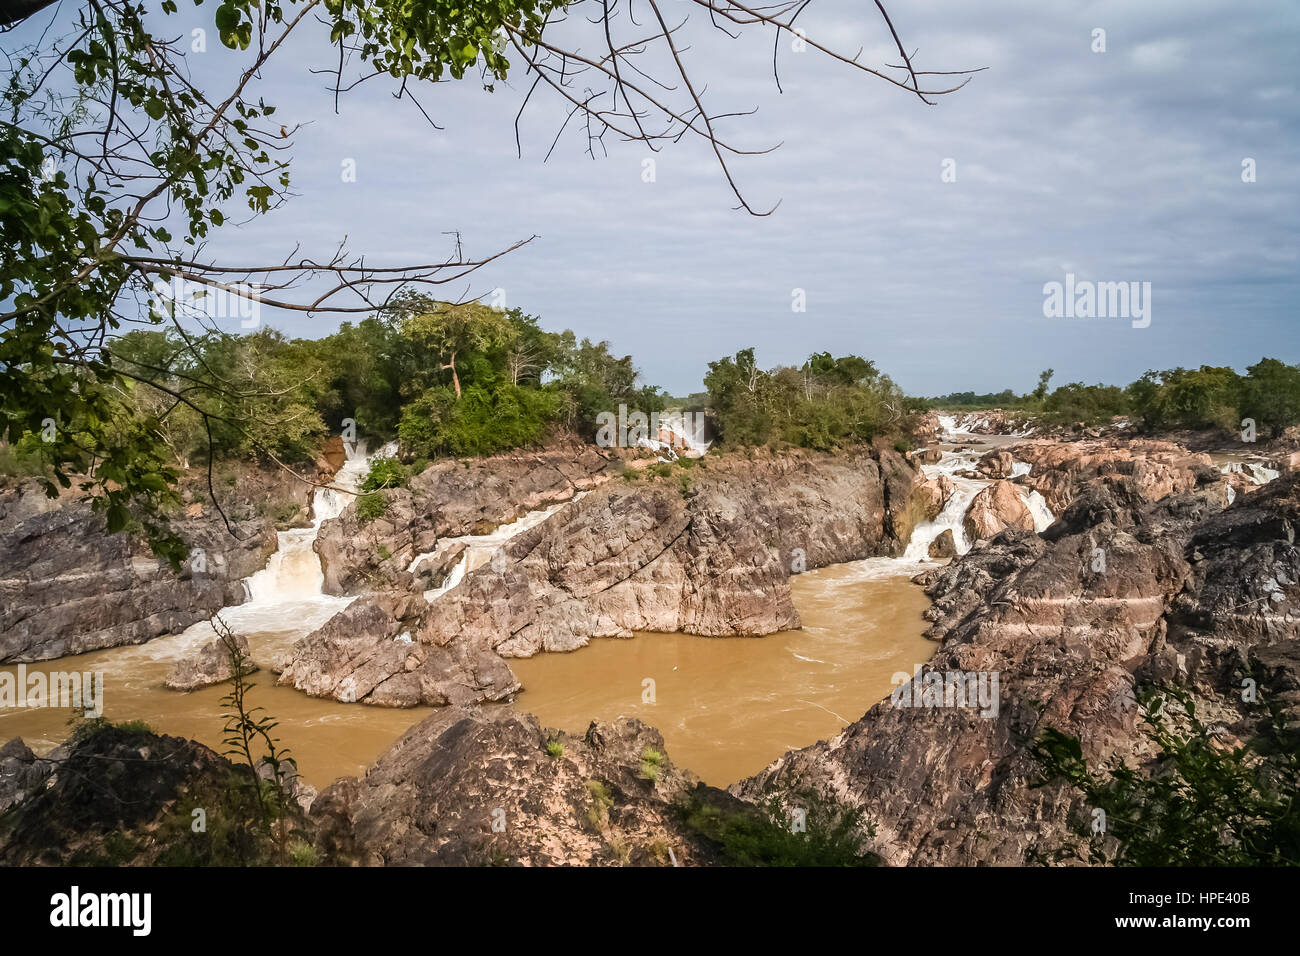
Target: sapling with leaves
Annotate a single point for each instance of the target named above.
(249, 738)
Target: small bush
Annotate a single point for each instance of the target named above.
(763, 836)
(650, 761)
(371, 506)
(385, 473)
(555, 748)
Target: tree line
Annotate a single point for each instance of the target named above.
(1209, 397)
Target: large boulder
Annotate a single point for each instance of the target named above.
(210, 665)
(477, 787)
(994, 509)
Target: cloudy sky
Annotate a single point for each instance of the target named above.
(1124, 165)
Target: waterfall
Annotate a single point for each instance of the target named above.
(953, 515)
(954, 509)
(294, 572)
(480, 548)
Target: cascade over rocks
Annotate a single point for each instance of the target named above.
(449, 499)
(705, 550)
(1185, 591)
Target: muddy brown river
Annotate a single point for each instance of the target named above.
(728, 706)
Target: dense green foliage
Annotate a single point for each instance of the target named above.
(384, 473)
(826, 403)
(1201, 804)
(106, 146)
(392, 375)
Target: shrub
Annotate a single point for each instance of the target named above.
(1204, 804)
(384, 473)
(371, 506)
(481, 422)
(763, 836)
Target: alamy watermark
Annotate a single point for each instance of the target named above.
(637, 429)
(1085, 299)
(74, 690)
(195, 300)
(948, 689)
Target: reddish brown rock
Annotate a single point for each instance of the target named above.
(995, 509)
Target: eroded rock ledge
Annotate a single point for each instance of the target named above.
(448, 499)
(67, 586)
(1190, 593)
(705, 550)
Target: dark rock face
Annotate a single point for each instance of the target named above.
(1116, 594)
(944, 546)
(211, 665)
(102, 800)
(68, 587)
(706, 550)
(451, 499)
(475, 787)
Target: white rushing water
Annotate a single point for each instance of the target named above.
(286, 594)
(954, 509)
(952, 517)
(480, 548)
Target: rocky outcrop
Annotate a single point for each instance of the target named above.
(448, 499)
(1117, 593)
(996, 464)
(209, 665)
(1060, 469)
(478, 787)
(995, 509)
(943, 546)
(67, 586)
(110, 796)
(935, 493)
(703, 550)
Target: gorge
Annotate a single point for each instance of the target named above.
(747, 626)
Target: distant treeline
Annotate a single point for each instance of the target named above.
(1207, 397)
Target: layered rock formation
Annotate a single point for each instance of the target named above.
(1060, 469)
(1117, 593)
(705, 550)
(448, 499)
(67, 586)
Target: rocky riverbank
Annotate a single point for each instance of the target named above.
(1118, 593)
(1159, 568)
(68, 586)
